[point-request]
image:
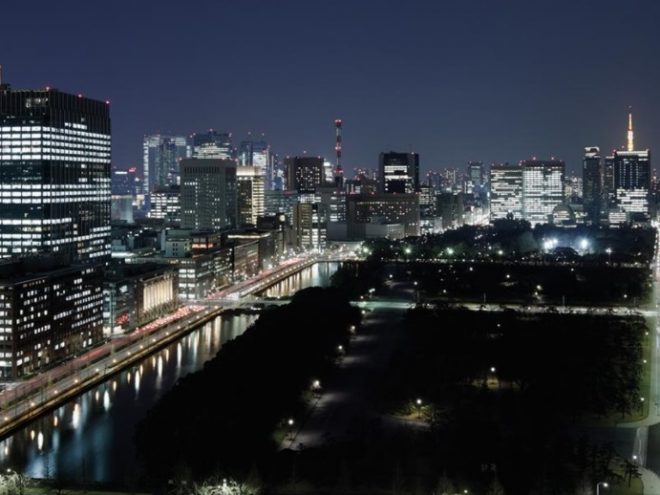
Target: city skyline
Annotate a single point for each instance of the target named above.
(468, 89)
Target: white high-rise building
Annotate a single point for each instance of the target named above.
(543, 189)
(250, 192)
(506, 184)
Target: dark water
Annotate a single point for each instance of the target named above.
(90, 438)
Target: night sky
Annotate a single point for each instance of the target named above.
(490, 80)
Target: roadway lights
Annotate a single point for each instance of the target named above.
(418, 401)
(290, 422)
(450, 251)
(407, 250)
(492, 369)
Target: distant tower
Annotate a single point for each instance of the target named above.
(339, 172)
(631, 135)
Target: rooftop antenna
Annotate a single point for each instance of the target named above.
(0, 75)
(631, 135)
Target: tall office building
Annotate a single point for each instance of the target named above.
(214, 145)
(305, 173)
(310, 225)
(162, 157)
(250, 190)
(592, 184)
(124, 182)
(54, 175)
(398, 172)
(368, 214)
(506, 186)
(609, 193)
(543, 189)
(54, 225)
(254, 154)
(476, 174)
(166, 205)
(632, 180)
(208, 194)
(632, 176)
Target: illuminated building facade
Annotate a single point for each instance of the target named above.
(213, 145)
(398, 172)
(310, 225)
(49, 313)
(125, 182)
(166, 205)
(250, 190)
(162, 157)
(305, 173)
(632, 180)
(506, 185)
(208, 194)
(363, 209)
(139, 293)
(54, 175)
(475, 174)
(334, 201)
(55, 208)
(543, 189)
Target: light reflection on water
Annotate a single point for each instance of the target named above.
(315, 275)
(90, 438)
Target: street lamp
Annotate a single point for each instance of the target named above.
(598, 485)
(418, 407)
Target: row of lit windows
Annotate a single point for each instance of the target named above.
(11, 130)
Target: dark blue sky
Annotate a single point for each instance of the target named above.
(491, 80)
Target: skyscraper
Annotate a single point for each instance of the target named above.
(161, 160)
(398, 172)
(304, 173)
(476, 174)
(54, 175)
(213, 144)
(254, 154)
(166, 205)
(632, 176)
(54, 225)
(208, 194)
(543, 188)
(250, 190)
(592, 184)
(506, 185)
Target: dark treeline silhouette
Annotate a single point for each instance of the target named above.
(222, 419)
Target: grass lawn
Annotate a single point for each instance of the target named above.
(636, 488)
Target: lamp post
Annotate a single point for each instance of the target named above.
(604, 484)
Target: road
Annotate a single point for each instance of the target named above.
(346, 403)
(23, 401)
